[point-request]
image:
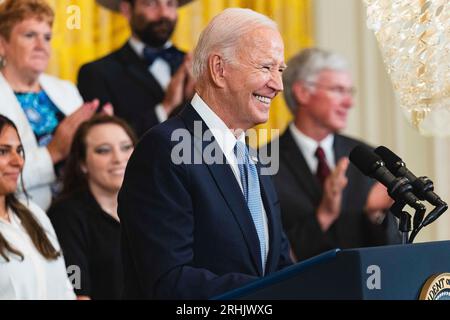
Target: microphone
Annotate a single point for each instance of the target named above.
(370, 164)
(423, 186)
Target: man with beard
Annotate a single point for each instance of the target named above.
(147, 78)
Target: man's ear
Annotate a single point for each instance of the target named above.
(126, 9)
(301, 93)
(216, 67)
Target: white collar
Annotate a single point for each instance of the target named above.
(222, 134)
(308, 147)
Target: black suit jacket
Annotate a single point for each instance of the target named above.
(187, 232)
(123, 79)
(300, 194)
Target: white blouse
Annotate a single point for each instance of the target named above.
(35, 277)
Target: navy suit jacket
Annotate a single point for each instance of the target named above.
(187, 232)
(123, 79)
(300, 194)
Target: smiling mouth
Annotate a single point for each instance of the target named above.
(40, 57)
(265, 100)
(117, 172)
(12, 176)
(342, 114)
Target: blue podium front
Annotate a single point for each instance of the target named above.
(386, 272)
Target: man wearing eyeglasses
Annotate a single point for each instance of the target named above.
(325, 201)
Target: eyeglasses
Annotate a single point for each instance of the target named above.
(338, 90)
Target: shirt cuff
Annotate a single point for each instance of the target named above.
(161, 114)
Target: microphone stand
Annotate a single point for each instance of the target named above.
(404, 217)
(422, 186)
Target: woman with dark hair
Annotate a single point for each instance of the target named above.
(31, 264)
(85, 216)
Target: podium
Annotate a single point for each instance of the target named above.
(386, 272)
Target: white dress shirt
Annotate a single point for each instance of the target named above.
(34, 278)
(308, 147)
(226, 141)
(160, 69)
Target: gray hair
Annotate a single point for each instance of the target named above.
(223, 34)
(305, 66)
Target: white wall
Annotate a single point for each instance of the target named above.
(340, 25)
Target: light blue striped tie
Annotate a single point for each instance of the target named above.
(252, 194)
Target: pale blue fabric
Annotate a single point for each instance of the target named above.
(252, 194)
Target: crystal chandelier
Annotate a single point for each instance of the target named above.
(414, 39)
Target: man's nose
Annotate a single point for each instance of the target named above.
(165, 11)
(277, 81)
(348, 100)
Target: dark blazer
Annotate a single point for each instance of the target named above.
(123, 79)
(300, 194)
(187, 232)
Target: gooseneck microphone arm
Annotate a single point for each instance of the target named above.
(433, 215)
(404, 225)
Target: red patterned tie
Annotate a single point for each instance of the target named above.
(322, 167)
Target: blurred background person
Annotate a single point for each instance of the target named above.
(325, 201)
(85, 217)
(45, 109)
(31, 264)
(148, 77)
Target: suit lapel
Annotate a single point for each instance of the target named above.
(67, 104)
(340, 150)
(10, 107)
(296, 163)
(227, 184)
(137, 68)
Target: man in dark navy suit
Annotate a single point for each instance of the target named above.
(198, 215)
(148, 77)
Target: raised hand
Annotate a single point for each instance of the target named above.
(181, 86)
(190, 80)
(59, 147)
(330, 206)
(107, 109)
(377, 202)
